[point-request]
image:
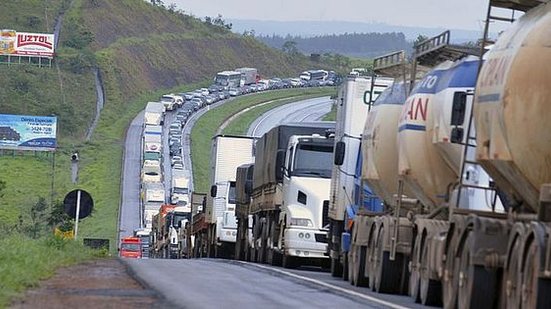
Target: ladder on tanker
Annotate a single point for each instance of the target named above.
(470, 140)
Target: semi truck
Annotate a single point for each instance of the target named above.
(145, 239)
(153, 196)
(152, 138)
(290, 194)
(227, 153)
(154, 114)
(243, 190)
(466, 222)
(353, 103)
(179, 192)
(248, 75)
(165, 231)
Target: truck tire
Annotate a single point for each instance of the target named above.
(336, 268)
(387, 272)
(512, 279)
(477, 284)
(430, 290)
(359, 268)
(536, 291)
(415, 276)
(451, 277)
(289, 261)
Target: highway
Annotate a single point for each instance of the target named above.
(303, 111)
(216, 283)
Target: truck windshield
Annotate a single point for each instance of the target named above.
(180, 190)
(313, 160)
(131, 247)
(231, 193)
(179, 217)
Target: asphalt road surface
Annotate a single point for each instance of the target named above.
(212, 283)
(302, 111)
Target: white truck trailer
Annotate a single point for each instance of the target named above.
(154, 113)
(353, 103)
(227, 153)
(153, 196)
(248, 75)
(180, 191)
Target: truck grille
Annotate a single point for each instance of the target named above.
(325, 214)
(321, 238)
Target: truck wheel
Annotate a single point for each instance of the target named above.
(450, 278)
(359, 268)
(387, 273)
(476, 284)
(414, 277)
(512, 280)
(352, 261)
(289, 261)
(336, 268)
(345, 267)
(430, 290)
(535, 291)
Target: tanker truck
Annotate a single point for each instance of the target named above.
(353, 105)
(415, 168)
(290, 194)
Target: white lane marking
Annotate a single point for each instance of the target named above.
(327, 285)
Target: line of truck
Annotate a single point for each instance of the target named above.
(436, 182)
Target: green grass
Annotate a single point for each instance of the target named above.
(24, 262)
(207, 125)
(332, 115)
(241, 124)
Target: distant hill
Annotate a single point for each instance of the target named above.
(349, 44)
(138, 48)
(316, 28)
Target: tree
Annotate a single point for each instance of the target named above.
(37, 212)
(290, 47)
(58, 218)
(420, 38)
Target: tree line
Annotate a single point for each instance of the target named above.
(350, 44)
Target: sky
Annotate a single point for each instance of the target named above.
(458, 14)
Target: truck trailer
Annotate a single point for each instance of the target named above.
(154, 114)
(165, 231)
(353, 104)
(248, 75)
(227, 153)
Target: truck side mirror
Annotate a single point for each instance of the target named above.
(280, 162)
(339, 153)
(457, 135)
(213, 191)
(458, 108)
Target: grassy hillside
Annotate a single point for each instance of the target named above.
(141, 51)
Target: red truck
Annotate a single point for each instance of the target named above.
(131, 247)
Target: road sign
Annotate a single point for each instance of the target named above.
(70, 204)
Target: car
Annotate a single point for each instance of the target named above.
(213, 89)
(175, 159)
(178, 166)
(175, 150)
(182, 119)
(209, 99)
(234, 92)
(204, 91)
(175, 125)
(221, 95)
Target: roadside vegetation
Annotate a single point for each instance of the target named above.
(206, 126)
(25, 261)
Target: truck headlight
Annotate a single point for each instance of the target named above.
(301, 222)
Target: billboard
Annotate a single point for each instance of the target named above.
(22, 132)
(26, 44)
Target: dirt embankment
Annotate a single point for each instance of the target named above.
(98, 284)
